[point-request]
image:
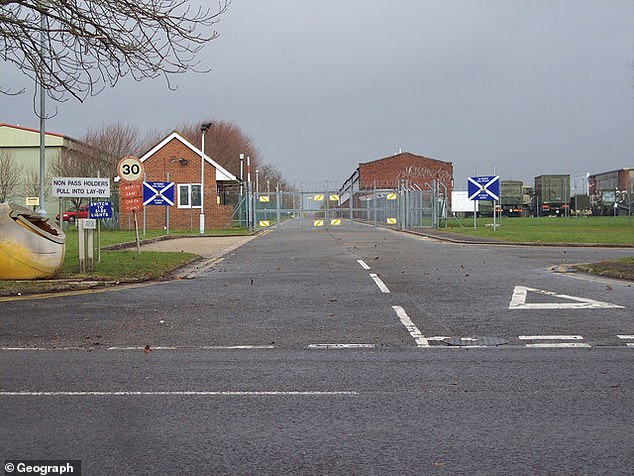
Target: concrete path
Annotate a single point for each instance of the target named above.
(205, 246)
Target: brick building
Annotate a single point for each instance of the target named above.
(416, 170)
(175, 159)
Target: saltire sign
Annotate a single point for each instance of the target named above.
(158, 193)
(484, 187)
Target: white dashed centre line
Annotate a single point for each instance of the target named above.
(363, 264)
(411, 327)
(379, 283)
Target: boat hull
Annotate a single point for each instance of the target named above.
(31, 246)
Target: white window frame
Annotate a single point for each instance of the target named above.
(188, 188)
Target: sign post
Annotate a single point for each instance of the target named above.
(79, 187)
(99, 210)
(130, 171)
(485, 187)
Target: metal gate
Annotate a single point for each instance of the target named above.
(323, 209)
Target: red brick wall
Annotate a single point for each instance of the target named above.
(165, 161)
(388, 172)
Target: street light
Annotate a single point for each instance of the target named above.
(42, 210)
(204, 128)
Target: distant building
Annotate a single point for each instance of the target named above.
(413, 170)
(22, 144)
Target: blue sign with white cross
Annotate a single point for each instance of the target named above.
(158, 193)
(100, 210)
(484, 188)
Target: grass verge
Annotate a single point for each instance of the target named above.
(115, 266)
(619, 269)
(595, 230)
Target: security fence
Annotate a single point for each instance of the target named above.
(403, 207)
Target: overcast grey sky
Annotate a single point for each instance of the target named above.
(531, 87)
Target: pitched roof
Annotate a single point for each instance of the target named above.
(222, 174)
(28, 129)
(389, 157)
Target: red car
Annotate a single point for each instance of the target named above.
(72, 215)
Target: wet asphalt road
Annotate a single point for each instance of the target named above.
(326, 352)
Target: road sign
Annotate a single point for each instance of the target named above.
(32, 201)
(130, 169)
(484, 187)
(158, 193)
(80, 187)
(264, 199)
(100, 209)
(89, 223)
(131, 196)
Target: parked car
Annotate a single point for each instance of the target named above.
(72, 215)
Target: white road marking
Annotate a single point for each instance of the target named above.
(137, 348)
(363, 264)
(174, 393)
(559, 345)
(411, 327)
(550, 337)
(627, 337)
(379, 283)
(518, 301)
(31, 348)
(341, 346)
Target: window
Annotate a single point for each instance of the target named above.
(188, 195)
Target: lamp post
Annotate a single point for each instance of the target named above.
(204, 128)
(42, 209)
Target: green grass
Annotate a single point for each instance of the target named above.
(128, 264)
(607, 230)
(619, 268)
(118, 266)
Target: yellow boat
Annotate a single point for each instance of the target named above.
(31, 246)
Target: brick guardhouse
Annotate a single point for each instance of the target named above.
(175, 159)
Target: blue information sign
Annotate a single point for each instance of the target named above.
(483, 188)
(100, 210)
(158, 193)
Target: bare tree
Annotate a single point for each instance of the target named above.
(88, 44)
(110, 142)
(10, 176)
(31, 183)
(224, 142)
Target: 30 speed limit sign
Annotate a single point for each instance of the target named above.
(130, 169)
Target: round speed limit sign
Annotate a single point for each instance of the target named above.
(130, 169)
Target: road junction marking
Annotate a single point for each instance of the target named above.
(518, 301)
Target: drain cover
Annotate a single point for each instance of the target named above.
(473, 341)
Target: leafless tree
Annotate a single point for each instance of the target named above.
(10, 176)
(110, 142)
(88, 44)
(31, 183)
(224, 142)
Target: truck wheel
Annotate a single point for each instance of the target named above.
(71, 219)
